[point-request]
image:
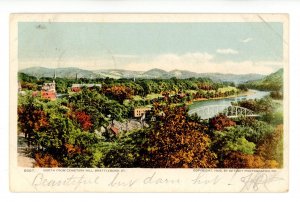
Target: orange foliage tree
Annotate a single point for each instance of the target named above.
(272, 146)
(31, 119)
(220, 122)
(241, 160)
(83, 119)
(119, 92)
(45, 161)
(175, 141)
(73, 149)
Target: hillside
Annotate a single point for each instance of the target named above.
(237, 79)
(272, 82)
(70, 72)
(116, 73)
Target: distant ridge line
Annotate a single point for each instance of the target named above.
(70, 72)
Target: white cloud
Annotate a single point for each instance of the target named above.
(227, 51)
(203, 63)
(246, 40)
(168, 62)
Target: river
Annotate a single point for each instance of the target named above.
(252, 94)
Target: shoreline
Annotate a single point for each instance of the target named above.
(249, 92)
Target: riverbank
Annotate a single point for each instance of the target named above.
(244, 93)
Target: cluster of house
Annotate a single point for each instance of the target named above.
(77, 87)
(48, 90)
(139, 113)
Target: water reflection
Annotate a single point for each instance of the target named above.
(252, 94)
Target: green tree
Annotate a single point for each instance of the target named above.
(31, 117)
(99, 107)
(231, 139)
(128, 151)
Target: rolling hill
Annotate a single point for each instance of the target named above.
(272, 82)
(116, 73)
(70, 72)
(150, 74)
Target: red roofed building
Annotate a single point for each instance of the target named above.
(49, 95)
(114, 130)
(48, 91)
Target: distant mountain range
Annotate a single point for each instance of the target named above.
(71, 72)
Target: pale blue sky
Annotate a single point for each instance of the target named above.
(128, 45)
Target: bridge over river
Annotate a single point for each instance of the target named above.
(210, 111)
(209, 108)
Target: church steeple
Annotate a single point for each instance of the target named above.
(54, 76)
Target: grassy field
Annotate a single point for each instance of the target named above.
(228, 88)
(148, 97)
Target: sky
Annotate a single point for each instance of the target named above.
(223, 47)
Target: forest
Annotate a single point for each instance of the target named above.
(73, 130)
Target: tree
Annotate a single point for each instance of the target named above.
(176, 142)
(63, 141)
(26, 78)
(31, 117)
(45, 161)
(29, 86)
(61, 85)
(83, 119)
(262, 106)
(241, 160)
(256, 131)
(277, 95)
(100, 109)
(119, 93)
(128, 150)
(79, 148)
(231, 139)
(271, 147)
(243, 87)
(242, 145)
(220, 122)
